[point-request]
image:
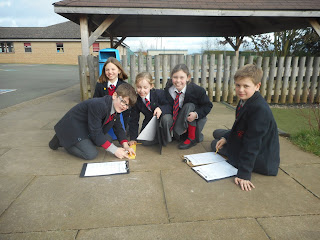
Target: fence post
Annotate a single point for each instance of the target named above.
(286, 75)
(211, 77)
(180, 59)
(241, 61)
(259, 61)
(157, 71)
(219, 77)
(226, 76)
(196, 68)
(140, 63)
(132, 69)
(293, 77)
(204, 70)
(315, 74)
(300, 79)
(189, 64)
(164, 70)
(173, 61)
(93, 66)
(149, 64)
(278, 80)
(125, 63)
(82, 61)
(271, 79)
(250, 61)
(234, 67)
(306, 81)
(265, 69)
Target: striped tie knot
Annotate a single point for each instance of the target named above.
(111, 89)
(148, 104)
(175, 109)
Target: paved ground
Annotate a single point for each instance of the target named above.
(42, 196)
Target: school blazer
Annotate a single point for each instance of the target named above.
(253, 142)
(194, 94)
(87, 120)
(157, 99)
(101, 89)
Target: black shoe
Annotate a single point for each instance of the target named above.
(187, 146)
(54, 143)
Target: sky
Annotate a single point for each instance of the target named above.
(40, 13)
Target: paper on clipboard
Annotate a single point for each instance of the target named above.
(104, 168)
(149, 132)
(202, 158)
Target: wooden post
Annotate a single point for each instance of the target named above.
(278, 80)
(234, 67)
(82, 61)
(219, 77)
(93, 65)
(84, 31)
(164, 71)
(271, 79)
(196, 68)
(180, 59)
(265, 69)
(292, 84)
(204, 70)
(140, 63)
(157, 71)
(286, 75)
(250, 61)
(300, 79)
(259, 61)
(314, 78)
(149, 64)
(211, 77)
(189, 64)
(306, 81)
(125, 63)
(241, 61)
(132, 69)
(173, 61)
(226, 78)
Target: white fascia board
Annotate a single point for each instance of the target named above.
(187, 12)
(48, 40)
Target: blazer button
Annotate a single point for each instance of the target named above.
(79, 139)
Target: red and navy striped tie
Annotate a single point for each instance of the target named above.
(111, 89)
(175, 109)
(111, 117)
(238, 110)
(148, 104)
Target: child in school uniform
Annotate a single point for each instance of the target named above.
(112, 76)
(150, 102)
(252, 145)
(86, 125)
(189, 105)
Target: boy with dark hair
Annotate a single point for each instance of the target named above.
(86, 125)
(252, 145)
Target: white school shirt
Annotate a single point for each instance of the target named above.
(172, 90)
(114, 84)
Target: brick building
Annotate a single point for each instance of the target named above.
(56, 44)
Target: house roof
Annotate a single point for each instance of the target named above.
(203, 18)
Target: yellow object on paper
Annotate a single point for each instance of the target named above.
(134, 147)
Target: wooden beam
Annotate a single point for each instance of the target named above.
(84, 31)
(100, 30)
(119, 42)
(316, 26)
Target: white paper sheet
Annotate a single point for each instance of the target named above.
(106, 168)
(216, 171)
(203, 158)
(149, 132)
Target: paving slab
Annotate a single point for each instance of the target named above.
(190, 198)
(292, 227)
(68, 202)
(10, 188)
(307, 175)
(224, 229)
(56, 235)
(42, 161)
(26, 138)
(3, 151)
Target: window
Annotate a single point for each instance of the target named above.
(96, 47)
(6, 47)
(27, 47)
(60, 47)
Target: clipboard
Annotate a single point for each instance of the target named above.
(159, 136)
(104, 169)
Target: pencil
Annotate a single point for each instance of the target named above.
(217, 150)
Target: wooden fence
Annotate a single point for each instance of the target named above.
(285, 80)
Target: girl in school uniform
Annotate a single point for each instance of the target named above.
(112, 76)
(150, 102)
(189, 107)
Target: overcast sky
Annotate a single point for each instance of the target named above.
(40, 13)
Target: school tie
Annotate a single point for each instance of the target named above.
(238, 110)
(111, 89)
(175, 109)
(148, 104)
(111, 117)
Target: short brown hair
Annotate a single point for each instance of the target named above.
(103, 78)
(126, 90)
(249, 71)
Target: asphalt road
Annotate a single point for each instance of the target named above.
(34, 80)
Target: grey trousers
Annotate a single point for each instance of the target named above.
(84, 149)
(217, 135)
(181, 124)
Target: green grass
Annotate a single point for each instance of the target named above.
(293, 122)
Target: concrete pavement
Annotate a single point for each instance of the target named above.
(42, 196)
